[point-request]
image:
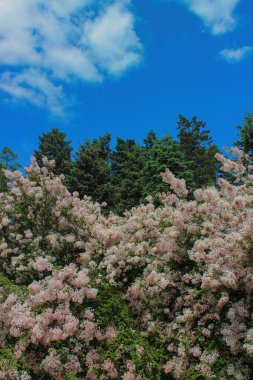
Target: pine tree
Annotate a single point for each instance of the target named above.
(8, 161)
(198, 148)
(54, 146)
(245, 141)
(127, 163)
(162, 154)
(91, 170)
(150, 139)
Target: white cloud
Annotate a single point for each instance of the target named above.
(236, 55)
(47, 42)
(35, 87)
(217, 15)
(111, 38)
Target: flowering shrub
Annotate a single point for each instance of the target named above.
(160, 293)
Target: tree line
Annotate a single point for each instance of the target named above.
(123, 176)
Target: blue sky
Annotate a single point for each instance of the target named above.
(123, 66)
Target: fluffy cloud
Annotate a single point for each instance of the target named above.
(236, 55)
(109, 37)
(216, 14)
(47, 42)
(34, 86)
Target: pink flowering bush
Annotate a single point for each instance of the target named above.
(160, 293)
(44, 230)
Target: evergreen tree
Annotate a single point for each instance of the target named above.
(198, 148)
(54, 146)
(164, 153)
(150, 139)
(245, 141)
(127, 163)
(8, 161)
(91, 170)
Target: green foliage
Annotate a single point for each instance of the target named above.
(221, 366)
(150, 140)
(198, 149)
(2, 182)
(91, 170)
(7, 287)
(192, 374)
(124, 176)
(54, 146)
(111, 308)
(127, 163)
(245, 141)
(162, 154)
(8, 161)
(8, 362)
(72, 377)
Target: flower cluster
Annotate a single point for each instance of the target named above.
(43, 232)
(183, 270)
